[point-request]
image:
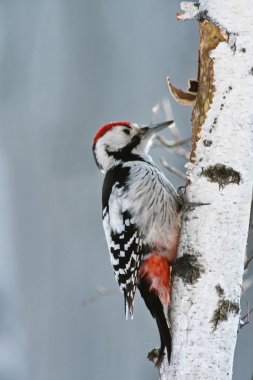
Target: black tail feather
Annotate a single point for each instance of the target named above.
(156, 309)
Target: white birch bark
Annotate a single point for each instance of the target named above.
(205, 314)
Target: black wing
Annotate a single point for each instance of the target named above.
(123, 238)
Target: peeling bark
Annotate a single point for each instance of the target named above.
(205, 306)
(210, 37)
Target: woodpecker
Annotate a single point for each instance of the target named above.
(141, 218)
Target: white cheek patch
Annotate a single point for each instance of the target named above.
(102, 157)
(112, 141)
(116, 139)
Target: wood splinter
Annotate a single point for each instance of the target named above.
(186, 98)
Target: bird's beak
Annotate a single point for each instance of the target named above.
(148, 131)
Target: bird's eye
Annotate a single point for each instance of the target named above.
(126, 131)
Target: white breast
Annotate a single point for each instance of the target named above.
(153, 202)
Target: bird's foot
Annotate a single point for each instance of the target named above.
(187, 205)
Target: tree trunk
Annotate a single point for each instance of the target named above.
(209, 269)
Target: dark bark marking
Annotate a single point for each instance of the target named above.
(207, 143)
(219, 290)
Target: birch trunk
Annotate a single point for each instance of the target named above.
(208, 273)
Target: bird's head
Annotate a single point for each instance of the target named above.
(122, 140)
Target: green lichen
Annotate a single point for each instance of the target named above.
(155, 357)
(224, 307)
(222, 174)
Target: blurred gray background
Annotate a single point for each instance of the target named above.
(65, 68)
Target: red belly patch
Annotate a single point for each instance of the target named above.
(156, 269)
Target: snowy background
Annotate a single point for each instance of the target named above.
(65, 68)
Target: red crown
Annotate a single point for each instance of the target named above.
(105, 128)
